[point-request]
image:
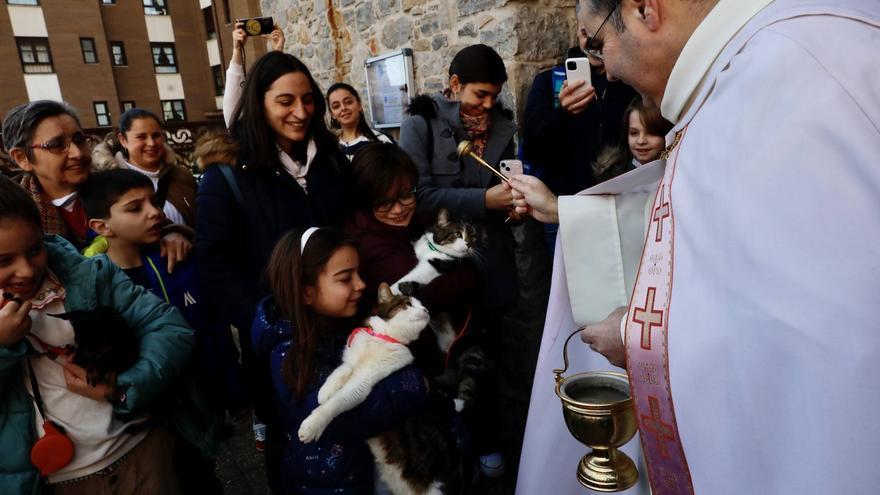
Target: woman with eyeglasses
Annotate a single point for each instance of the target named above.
(383, 225)
(46, 141)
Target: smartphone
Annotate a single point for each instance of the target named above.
(511, 167)
(258, 25)
(578, 69)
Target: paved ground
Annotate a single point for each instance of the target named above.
(240, 468)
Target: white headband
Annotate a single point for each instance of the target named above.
(305, 238)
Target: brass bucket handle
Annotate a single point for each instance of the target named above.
(558, 372)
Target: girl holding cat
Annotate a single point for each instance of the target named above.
(300, 332)
(113, 449)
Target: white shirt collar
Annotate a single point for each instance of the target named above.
(296, 169)
(65, 202)
(709, 39)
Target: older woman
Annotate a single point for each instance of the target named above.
(46, 140)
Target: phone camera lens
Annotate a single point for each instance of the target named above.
(572, 65)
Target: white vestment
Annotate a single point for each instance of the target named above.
(773, 333)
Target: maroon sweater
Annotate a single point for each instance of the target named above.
(386, 255)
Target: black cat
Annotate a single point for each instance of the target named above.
(105, 344)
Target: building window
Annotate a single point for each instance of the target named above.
(127, 105)
(117, 51)
(90, 56)
(102, 113)
(208, 15)
(173, 110)
(108, 2)
(164, 58)
(218, 79)
(155, 7)
(23, 2)
(35, 56)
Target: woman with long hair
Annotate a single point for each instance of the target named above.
(281, 169)
(348, 119)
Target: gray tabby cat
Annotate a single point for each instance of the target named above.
(439, 249)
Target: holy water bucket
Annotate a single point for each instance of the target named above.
(599, 412)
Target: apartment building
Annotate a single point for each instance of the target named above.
(105, 56)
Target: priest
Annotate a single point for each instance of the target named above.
(748, 325)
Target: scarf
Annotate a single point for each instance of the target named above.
(477, 128)
(53, 222)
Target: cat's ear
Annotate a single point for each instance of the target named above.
(385, 293)
(443, 217)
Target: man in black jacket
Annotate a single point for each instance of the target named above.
(563, 136)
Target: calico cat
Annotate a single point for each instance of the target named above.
(418, 457)
(105, 344)
(439, 249)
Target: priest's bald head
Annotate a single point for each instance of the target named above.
(640, 40)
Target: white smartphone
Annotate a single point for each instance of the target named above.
(511, 167)
(578, 69)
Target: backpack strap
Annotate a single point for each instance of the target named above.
(226, 170)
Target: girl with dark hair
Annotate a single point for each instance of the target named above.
(139, 144)
(301, 331)
(347, 117)
(288, 173)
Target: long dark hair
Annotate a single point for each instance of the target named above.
(363, 128)
(289, 272)
(249, 118)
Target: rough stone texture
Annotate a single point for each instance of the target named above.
(335, 37)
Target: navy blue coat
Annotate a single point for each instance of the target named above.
(340, 461)
(235, 241)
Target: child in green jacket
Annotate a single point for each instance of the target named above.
(116, 449)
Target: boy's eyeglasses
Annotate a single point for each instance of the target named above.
(593, 51)
(407, 198)
(60, 146)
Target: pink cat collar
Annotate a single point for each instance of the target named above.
(372, 332)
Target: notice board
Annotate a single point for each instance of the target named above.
(389, 87)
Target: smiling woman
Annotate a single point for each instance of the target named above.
(45, 139)
(139, 144)
(282, 170)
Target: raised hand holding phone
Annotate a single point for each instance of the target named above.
(577, 91)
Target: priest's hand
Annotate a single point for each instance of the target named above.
(604, 337)
(575, 97)
(532, 197)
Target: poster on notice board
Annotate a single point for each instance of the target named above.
(389, 87)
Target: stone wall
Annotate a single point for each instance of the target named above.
(335, 37)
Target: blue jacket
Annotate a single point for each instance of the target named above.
(166, 343)
(340, 461)
(216, 358)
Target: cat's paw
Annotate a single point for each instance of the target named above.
(410, 289)
(311, 428)
(324, 393)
